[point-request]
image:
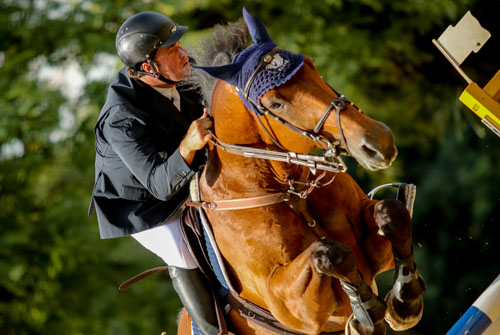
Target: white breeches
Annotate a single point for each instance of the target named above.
(166, 242)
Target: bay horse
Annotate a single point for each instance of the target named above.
(310, 248)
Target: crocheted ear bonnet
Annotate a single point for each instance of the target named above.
(282, 67)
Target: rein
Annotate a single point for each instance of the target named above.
(313, 162)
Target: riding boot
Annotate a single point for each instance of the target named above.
(196, 298)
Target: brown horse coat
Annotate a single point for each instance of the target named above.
(267, 249)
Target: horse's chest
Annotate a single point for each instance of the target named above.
(277, 234)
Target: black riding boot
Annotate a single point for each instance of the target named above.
(196, 297)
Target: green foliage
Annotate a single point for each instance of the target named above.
(56, 276)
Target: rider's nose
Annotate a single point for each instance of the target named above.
(183, 51)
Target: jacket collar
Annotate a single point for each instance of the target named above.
(144, 97)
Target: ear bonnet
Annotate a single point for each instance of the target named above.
(278, 71)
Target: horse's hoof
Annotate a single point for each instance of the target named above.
(403, 315)
(394, 220)
(354, 327)
(332, 258)
(405, 304)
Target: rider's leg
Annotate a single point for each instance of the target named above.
(166, 242)
(196, 298)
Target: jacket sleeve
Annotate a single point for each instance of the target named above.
(161, 174)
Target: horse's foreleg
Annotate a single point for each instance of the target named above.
(337, 260)
(404, 301)
(300, 297)
(307, 282)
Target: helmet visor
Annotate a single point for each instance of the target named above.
(176, 33)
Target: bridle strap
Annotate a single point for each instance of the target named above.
(325, 116)
(337, 103)
(273, 138)
(311, 135)
(329, 161)
(340, 106)
(265, 60)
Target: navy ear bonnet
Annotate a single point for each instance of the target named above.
(283, 66)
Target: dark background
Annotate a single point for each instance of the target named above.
(56, 60)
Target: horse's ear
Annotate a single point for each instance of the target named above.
(228, 73)
(256, 28)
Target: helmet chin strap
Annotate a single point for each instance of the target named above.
(156, 75)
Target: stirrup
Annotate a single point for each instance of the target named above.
(360, 308)
(401, 279)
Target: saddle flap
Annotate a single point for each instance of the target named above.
(192, 234)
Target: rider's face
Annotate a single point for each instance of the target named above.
(173, 62)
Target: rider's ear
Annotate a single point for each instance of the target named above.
(146, 67)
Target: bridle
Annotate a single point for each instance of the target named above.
(298, 189)
(330, 160)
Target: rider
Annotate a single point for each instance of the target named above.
(149, 137)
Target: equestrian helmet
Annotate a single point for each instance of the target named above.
(142, 34)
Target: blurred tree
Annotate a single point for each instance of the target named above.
(56, 60)
(56, 276)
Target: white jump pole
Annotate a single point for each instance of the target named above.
(483, 317)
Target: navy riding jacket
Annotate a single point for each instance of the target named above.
(140, 177)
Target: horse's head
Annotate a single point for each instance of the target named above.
(303, 102)
(296, 108)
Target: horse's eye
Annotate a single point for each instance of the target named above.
(276, 106)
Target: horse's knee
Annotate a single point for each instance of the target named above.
(393, 219)
(331, 257)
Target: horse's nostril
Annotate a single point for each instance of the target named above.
(368, 151)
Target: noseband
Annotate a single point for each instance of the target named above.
(329, 161)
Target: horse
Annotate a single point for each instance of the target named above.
(298, 235)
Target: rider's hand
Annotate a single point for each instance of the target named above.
(196, 137)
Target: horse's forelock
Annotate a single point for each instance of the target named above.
(214, 50)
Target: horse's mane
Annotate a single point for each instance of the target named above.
(216, 49)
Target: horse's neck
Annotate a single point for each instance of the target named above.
(234, 124)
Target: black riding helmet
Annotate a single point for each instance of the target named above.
(141, 35)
